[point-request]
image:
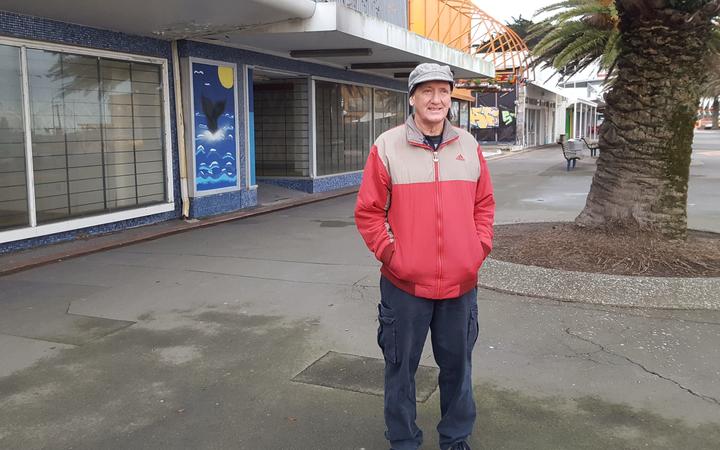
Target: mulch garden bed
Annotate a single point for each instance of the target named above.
(564, 246)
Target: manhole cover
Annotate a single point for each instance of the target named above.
(361, 374)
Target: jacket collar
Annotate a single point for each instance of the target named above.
(416, 137)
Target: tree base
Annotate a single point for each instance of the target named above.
(565, 246)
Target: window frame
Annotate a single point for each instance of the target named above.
(313, 78)
(189, 108)
(33, 230)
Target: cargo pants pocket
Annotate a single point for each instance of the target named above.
(387, 334)
(473, 327)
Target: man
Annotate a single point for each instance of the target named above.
(425, 209)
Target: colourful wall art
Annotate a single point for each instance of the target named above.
(485, 117)
(214, 110)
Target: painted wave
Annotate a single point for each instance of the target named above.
(209, 183)
(215, 164)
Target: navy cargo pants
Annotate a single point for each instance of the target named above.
(404, 323)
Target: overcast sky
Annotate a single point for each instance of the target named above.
(505, 10)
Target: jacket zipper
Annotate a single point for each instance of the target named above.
(436, 162)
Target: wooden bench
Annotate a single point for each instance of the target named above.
(592, 146)
(571, 151)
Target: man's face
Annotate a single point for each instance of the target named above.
(431, 101)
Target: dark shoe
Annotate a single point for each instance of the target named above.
(460, 446)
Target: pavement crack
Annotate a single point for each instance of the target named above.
(248, 258)
(363, 292)
(706, 398)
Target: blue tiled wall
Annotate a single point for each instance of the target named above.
(330, 183)
(211, 205)
(298, 184)
(45, 30)
(57, 238)
(39, 29)
(316, 185)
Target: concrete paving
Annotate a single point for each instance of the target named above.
(560, 195)
(194, 340)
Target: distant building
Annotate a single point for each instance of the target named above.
(582, 101)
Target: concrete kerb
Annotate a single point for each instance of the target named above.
(601, 289)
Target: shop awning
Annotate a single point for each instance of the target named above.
(463, 94)
(327, 32)
(554, 89)
(340, 36)
(167, 19)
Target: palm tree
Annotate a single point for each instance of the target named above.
(660, 64)
(576, 35)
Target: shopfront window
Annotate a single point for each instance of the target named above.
(281, 127)
(96, 133)
(343, 134)
(97, 136)
(13, 176)
(455, 113)
(389, 110)
(465, 115)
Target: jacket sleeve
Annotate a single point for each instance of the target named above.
(484, 206)
(373, 202)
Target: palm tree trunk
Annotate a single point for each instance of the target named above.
(645, 142)
(715, 115)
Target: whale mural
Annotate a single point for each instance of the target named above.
(214, 119)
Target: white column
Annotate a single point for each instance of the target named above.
(312, 127)
(27, 125)
(575, 117)
(581, 109)
(578, 132)
(595, 123)
(587, 121)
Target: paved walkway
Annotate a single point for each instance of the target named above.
(533, 190)
(197, 340)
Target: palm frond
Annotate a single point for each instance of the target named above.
(579, 33)
(589, 45)
(611, 51)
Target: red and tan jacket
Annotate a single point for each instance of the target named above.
(427, 216)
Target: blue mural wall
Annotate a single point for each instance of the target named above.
(46, 30)
(215, 145)
(251, 58)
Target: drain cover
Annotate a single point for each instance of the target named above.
(361, 374)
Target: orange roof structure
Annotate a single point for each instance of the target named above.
(463, 25)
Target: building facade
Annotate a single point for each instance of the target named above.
(109, 120)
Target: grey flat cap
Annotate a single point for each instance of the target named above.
(429, 72)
